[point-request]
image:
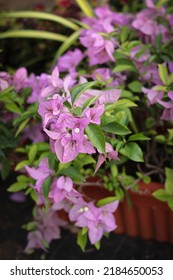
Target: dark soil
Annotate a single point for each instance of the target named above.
(13, 240)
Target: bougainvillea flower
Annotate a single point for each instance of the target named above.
(93, 114)
(99, 49)
(5, 80)
(20, 79)
(98, 220)
(40, 173)
(153, 95)
(110, 154)
(70, 60)
(168, 111)
(67, 148)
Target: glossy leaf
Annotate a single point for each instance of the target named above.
(169, 180)
(135, 86)
(122, 103)
(18, 186)
(134, 152)
(82, 240)
(32, 153)
(138, 137)
(96, 136)
(73, 173)
(116, 128)
(170, 80)
(124, 65)
(161, 195)
(12, 107)
(106, 200)
(22, 164)
(89, 102)
(46, 186)
(22, 126)
(163, 73)
(79, 89)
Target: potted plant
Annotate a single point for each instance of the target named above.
(98, 129)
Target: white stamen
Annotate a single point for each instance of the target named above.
(77, 130)
(83, 209)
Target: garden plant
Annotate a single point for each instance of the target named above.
(102, 116)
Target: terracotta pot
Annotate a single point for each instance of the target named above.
(146, 217)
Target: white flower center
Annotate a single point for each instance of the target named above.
(77, 130)
(83, 209)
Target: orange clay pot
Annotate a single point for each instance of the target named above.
(146, 217)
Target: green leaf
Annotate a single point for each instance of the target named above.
(67, 44)
(52, 161)
(85, 7)
(107, 119)
(162, 88)
(12, 107)
(97, 245)
(124, 64)
(114, 171)
(34, 34)
(22, 164)
(79, 89)
(120, 145)
(43, 146)
(32, 153)
(169, 180)
(158, 42)
(83, 159)
(120, 104)
(5, 92)
(116, 128)
(77, 111)
(30, 226)
(134, 152)
(89, 102)
(46, 187)
(22, 178)
(135, 86)
(122, 117)
(124, 34)
(160, 138)
(138, 137)
(147, 179)
(41, 15)
(161, 195)
(163, 73)
(96, 136)
(5, 169)
(22, 126)
(106, 200)
(82, 240)
(67, 104)
(142, 50)
(17, 187)
(73, 173)
(170, 80)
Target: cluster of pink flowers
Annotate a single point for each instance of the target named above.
(65, 129)
(47, 227)
(63, 195)
(65, 121)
